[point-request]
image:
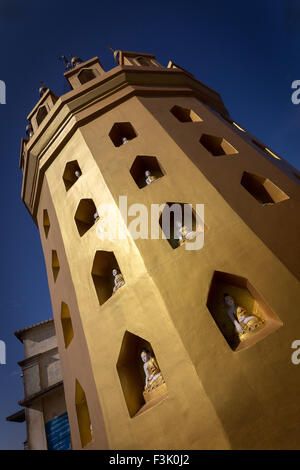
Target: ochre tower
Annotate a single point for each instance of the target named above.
(92, 145)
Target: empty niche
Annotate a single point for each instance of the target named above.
(265, 149)
(106, 275)
(132, 369)
(85, 75)
(41, 114)
(66, 323)
(179, 223)
(262, 189)
(55, 265)
(185, 114)
(85, 216)
(83, 415)
(241, 314)
(233, 123)
(145, 170)
(46, 222)
(121, 132)
(71, 174)
(217, 146)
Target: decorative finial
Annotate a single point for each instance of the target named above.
(42, 89)
(75, 60)
(70, 64)
(29, 130)
(116, 53)
(66, 61)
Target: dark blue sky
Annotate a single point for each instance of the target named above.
(249, 51)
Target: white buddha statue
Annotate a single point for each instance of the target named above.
(118, 280)
(152, 371)
(184, 233)
(124, 140)
(149, 178)
(242, 320)
(77, 173)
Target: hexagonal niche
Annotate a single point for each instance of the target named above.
(131, 373)
(71, 174)
(245, 296)
(85, 215)
(83, 415)
(46, 222)
(265, 149)
(217, 146)
(86, 75)
(55, 265)
(66, 323)
(262, 189)
(141, 164)
(104, 263)
(233, 123)
(174, 215)
(121, 132)
(185, 114)
(41, 114)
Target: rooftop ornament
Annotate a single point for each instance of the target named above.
(29, 130)
(70, 63)
(116, 53)
(42, 89)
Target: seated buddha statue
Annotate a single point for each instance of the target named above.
(150, 178)
(152, 371)
(242, 320)
(185, 233)
(124, 140)
(118, 280)
(77, 174)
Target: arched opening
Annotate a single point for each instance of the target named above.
(106, 275)
(46, 222)
(41, 114)
(55, 265)
(71, 174)
(262, 189)
(132, 375)
(83, 415)
(145, 170)
(239, 311)
(180, 224)
(85, 215)
(121, 132)
(85, 75)
(185, 114)
(217, 146)
(66, 323)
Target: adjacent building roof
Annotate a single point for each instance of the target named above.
(19, 333)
